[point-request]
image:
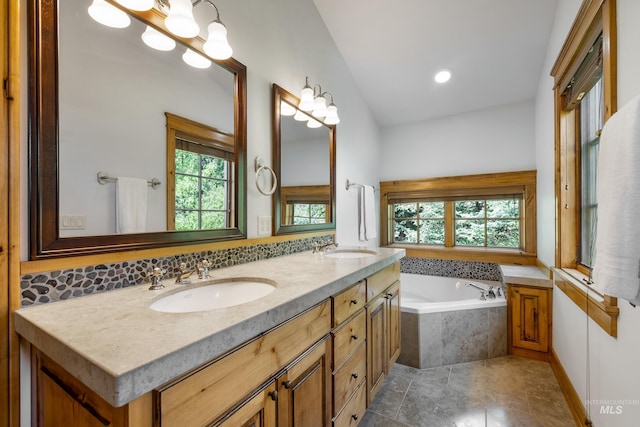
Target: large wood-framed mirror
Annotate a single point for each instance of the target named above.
(304, 161)
(98, 99)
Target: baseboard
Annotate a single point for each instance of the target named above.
(571, 396)
(530, 354)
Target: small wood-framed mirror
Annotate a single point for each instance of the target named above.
(304, 161)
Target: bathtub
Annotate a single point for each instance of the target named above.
(444, 321)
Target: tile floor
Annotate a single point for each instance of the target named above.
(502, 392)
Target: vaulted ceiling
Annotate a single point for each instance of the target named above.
(495, 48)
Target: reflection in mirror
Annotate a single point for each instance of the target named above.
(304, 158)
(98, 101)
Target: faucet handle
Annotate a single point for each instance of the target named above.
(154, 276)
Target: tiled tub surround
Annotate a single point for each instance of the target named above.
(120, 348)
(437, 339)
(64, 284)
(451, 268)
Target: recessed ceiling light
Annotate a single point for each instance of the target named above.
(443, 76)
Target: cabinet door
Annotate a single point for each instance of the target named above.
(377, 325)
(530, 318)
(393, 309)
(257, 411)
(304, 399)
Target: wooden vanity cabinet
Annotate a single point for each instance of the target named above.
(383, 326)
(529, 321)
(258, 410)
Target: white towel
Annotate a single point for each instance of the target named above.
(617, 257)
(367, 218)
(131, 205)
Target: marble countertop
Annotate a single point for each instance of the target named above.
(121, 349)
(525, 275)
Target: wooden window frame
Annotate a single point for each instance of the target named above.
(593, 18)
(468, 187)
(311, 194)
(189, 130)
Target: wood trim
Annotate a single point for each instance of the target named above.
(455, 186)
(604, 313)
(571, 396)
(29, 267)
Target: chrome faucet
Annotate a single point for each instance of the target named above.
(203, 269)
(322, 246)
(154, 276)
(183, 274)
(484, 293)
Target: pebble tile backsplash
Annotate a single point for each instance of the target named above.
(451, 268)
(58, 285)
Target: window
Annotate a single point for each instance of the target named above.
(201, 188)
(440, 217)
(585, 97)
(308, 213)
(305, 204)
(200, 167)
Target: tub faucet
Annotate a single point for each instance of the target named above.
(491, 293)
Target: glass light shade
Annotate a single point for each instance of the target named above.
(108, 15)
(313, 123)
(332, 115)
(140, 5)
(300, 116)
(195, 59)
(156, 40)
(306, 99)
(320, 107)
(180, 19)
(442, 76)
(287, 109)
(217, 45)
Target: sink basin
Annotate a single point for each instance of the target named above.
(213, 295)
(350, 253)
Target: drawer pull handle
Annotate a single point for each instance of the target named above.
(355, 337)
(355, 375)
(273, 395)
(354, 301)
(389, 296)
(355, 417)
(286, 384)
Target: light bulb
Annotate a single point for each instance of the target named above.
(156, 40)
(195, 59)
(287, 109)
(180, 19)
(320, 107)
(108, 15)
(442, 76)
(306, 99)
(300, 116)
(332, 115)
(217, 45)
(313, 123)
(140, 5)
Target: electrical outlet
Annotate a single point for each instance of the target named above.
(72, 222)
(264, 226)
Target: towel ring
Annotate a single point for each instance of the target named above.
(260, 166)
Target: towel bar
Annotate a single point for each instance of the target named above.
(355, 184)
(103, 178)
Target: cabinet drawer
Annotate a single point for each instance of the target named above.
(347, 339)
(188, 401)
(378, 282)
(348, 377)
(354, 409)
(348, 302)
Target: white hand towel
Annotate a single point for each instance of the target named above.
(362, 231)
(131, 205)
(371, 229)
(617, 257)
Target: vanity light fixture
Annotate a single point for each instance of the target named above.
(314, 100)
(179, 21)
(287, 109)
(443, 76)
(194, 59)
(313, 123)
(156, 40)
(300, 116)
(109, 15)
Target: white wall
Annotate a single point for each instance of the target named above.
(498, 139)
(613, 361)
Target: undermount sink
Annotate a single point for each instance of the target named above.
(213, 295)
(350, 253)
